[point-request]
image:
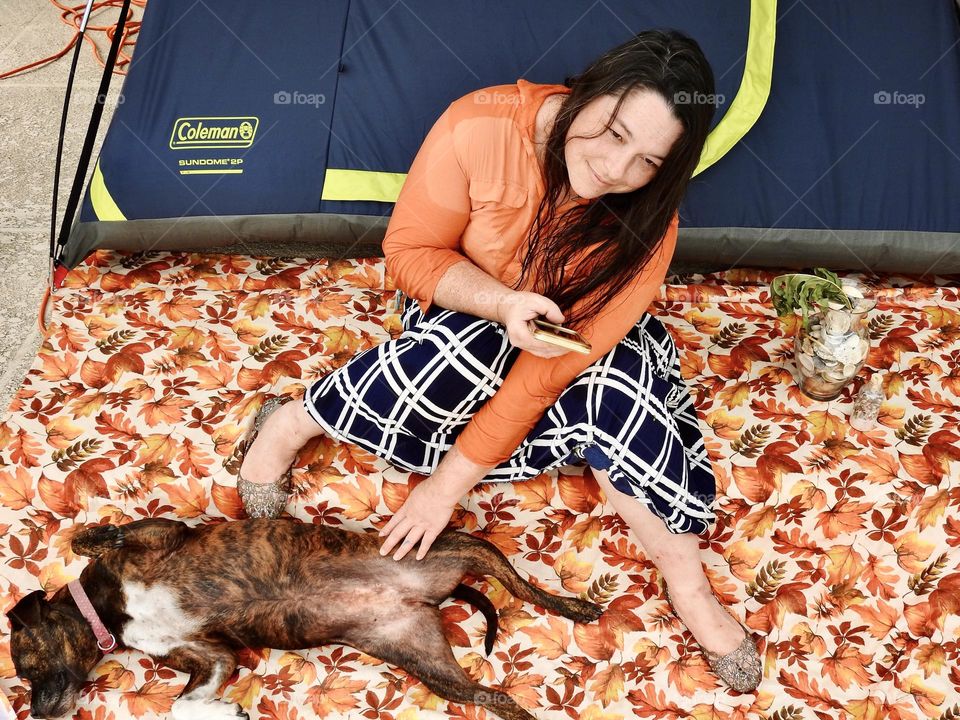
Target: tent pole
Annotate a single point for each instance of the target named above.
(56, 270)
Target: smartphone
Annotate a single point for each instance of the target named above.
(561, 336)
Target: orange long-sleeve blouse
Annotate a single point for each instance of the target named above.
(472, 194)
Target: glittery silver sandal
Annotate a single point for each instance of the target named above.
(263, 500)
(741, 669)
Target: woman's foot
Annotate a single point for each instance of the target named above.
(729, 649)
(265, 470)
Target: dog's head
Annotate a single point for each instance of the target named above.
(54, 650)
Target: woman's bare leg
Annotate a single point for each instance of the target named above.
(677, 557)
(287, 430)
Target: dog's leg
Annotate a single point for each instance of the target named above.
(414, 641)
(149, 534)
(482, 558)
(209, 665)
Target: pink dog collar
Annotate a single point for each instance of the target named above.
(105, 640)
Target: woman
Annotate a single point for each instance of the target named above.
(529, 200)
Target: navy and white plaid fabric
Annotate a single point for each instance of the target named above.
(630, 413)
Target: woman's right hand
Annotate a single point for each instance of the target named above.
(517, 311)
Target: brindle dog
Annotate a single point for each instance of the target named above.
(192, 596)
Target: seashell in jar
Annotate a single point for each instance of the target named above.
(823, 351)
(852, 291)
(837, 322)
(848, 351)
(849, 369)
(835, 374)
(806, 362)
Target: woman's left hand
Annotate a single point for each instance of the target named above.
(422, 517)
(429, 506)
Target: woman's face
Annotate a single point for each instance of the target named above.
(626, 156)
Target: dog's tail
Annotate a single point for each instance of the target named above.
(482, 603)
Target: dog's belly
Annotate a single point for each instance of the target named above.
(158, 623)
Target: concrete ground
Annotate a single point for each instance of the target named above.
(30, 110)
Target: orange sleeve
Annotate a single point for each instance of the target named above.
(534, 383)
(423, 235)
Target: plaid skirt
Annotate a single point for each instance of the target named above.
(630, 413)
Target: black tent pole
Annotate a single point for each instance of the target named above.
(56, 270)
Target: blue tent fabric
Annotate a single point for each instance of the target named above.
(853, 146)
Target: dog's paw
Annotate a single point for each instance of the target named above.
(96, 540)
(582, 611)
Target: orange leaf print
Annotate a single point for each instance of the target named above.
(932, 658)
(580, 493)
(536, 493)
(584, 534)
(880, 467)
(523, 688)
(689, 674)
(880, 620)
(735, 395)
(57, 497)
(648, 702)
(912, 552)
(844, 517)
(358, 497)
(759, 522)
(61, 432)
(245, 690)
(112, 675)
(551, 640)
(87, 480)
(298, 668)
(16, 489)
(574, 573)
(334, 694)
(880, 578)
(190, 501)
(477, 667)
(153, 696)
(128, 359)
(804, 688)
(167, 409)
(920, 469)
(847, 666)
(58, 367)
(214, 377)
(607, 685)
(724, 424)
(825, 426)
(929, 699)
(395, 494)
(932, 508)
(194, 460)
(503, 535)
(742, 559)
(845, 563)
(227, 500)
(754, 485)
(157, 450)
(93, 374)
(24, 449)
(619, 617)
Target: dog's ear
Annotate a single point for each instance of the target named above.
(29, 611)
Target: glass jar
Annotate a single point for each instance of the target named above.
(830, 352)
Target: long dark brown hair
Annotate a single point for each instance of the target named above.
(626, 228)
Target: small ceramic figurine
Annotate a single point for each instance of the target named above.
(866, 406)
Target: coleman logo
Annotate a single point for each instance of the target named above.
(213, 132)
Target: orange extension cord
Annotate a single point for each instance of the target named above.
(73, 16)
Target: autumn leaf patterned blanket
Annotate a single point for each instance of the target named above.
(840, 548)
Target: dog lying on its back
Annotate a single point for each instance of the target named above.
(192, 596)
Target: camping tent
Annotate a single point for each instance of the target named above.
(831, 144)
